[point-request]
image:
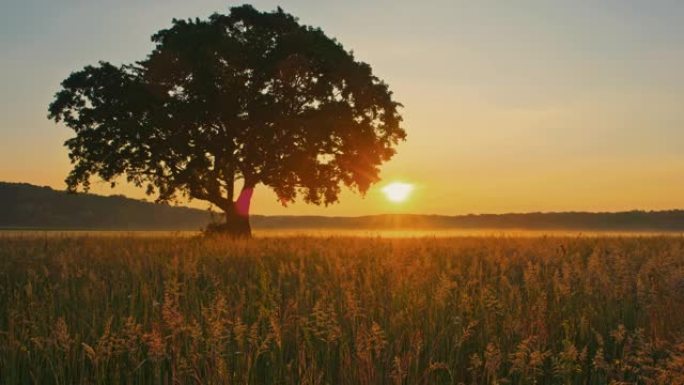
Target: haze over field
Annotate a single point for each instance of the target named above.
(30, 208)
(508, 107)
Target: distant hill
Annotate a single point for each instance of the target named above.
(25, 206)
(32, 207)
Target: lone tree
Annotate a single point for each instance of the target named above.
(250, 97)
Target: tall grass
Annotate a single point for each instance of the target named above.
(96, 310)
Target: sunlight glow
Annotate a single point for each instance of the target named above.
(397, 191)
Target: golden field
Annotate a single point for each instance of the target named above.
(92, 309)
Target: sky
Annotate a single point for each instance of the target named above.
(521, 106)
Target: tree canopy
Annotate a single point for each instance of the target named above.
(248, 96)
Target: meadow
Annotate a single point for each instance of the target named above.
(91, 309)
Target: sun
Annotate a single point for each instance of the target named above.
(397, 191)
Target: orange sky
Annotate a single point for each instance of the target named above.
(508, 108)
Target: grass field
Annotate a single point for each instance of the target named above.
(341, 310)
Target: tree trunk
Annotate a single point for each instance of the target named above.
(236, 225)
(237, 216)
